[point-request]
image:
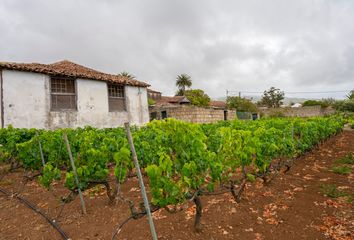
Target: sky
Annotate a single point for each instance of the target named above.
(248, 46)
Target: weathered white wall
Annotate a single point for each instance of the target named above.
(25, 101)
(137, 104)
(27, 104)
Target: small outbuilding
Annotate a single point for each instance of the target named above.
(67, 95)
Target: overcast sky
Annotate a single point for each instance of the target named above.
(302, 45)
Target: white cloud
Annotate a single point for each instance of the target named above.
(240, 45)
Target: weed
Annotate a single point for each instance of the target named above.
(330, 190)
(348, 159)
(343, 170)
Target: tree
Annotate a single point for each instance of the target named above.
(272, 98)
(197, 97)
(241, 104)
(350, 95)
(183, 81)
(126, 74)
(325, 102)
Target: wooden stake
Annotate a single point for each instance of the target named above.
(141, 182)
(40, 149)
(75, 173)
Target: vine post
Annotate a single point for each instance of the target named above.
(75, 173)
(40, 149)
(141, 182)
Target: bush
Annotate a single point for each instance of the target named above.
(197, 97)
(324, 103)
(241, 104)
(344, 105)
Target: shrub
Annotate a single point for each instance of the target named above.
(344, 105)
(197, 97)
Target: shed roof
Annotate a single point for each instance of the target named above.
(172, 100)
(66, 68)
(218, 104)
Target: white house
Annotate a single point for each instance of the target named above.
(65, 94)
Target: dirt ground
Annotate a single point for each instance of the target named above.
(292, 206)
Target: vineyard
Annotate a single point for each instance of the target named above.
(180, 161)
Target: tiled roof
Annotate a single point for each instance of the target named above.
(66, 68)
(152, 91)
(218, 104)
(171, 100)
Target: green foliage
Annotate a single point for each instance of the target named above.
(344, 105)
(123, 163)
(347, 159)
(151, 101)
(9, 138)
(272, 98)
(311, 103)
(241, 104)
(183, 81)
(49, 174)
(350, 95)
(180, 159)
(197, 97)
(126, 74)
(326, 102)
(330, 190)
(343, 170)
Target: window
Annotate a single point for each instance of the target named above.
(116, 98)
(63, 94)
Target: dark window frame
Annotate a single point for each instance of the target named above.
(116, 94)
(62, 92)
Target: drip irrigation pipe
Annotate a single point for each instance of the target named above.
(37, 210)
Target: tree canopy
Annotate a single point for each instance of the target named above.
(183, 81)
(272, 98)
(241, 104)
(197, 97)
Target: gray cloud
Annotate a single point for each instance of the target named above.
(237, 45)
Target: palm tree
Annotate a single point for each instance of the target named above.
(126, 74)
(183, 81)
(350, 95)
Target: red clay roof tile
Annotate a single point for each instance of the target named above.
(66, 68)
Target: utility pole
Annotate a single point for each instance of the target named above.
(239, 94)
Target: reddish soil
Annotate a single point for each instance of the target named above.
(291, 206)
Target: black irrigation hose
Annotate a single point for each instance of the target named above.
(135, 216)
(34, 208)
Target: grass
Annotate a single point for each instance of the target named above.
(330, 190)
(342, 165)
(348, 159)
(343, 170)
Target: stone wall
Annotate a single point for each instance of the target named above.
(307, 111)
(192, 113)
